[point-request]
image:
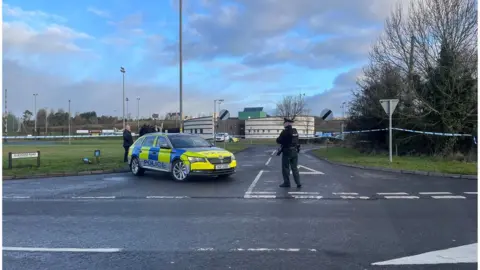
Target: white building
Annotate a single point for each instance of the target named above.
(270, 127)
(201, 126)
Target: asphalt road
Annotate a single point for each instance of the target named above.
(342, 218)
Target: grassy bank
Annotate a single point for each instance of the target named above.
(432, 164)
(64, 158)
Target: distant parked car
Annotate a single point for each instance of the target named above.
(221, 137)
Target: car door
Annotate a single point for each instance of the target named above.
(144, 155)
(163, 155)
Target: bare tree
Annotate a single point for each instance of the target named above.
(291, 106)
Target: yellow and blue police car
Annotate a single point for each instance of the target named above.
(181, 155)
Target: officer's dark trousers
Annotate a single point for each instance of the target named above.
(290, 161)
(125, 155)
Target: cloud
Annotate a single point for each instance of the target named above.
(99, 12)
(19, 13)
(333, 98)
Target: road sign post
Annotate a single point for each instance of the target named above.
(224, 115)
(389, 106)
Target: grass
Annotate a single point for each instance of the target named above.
(431, 164)
(61, 157)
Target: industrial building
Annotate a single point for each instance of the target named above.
(270, 127)
(252, 112)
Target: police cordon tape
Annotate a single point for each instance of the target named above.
(62, 136)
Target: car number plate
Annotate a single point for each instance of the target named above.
(222, 166)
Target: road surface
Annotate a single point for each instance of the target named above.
(342, 218)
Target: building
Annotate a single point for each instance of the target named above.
(270, 127)
(201, 126)
(252, 112)
(232, 126)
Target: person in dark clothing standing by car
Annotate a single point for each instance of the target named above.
(143, 130)
(127, 141)
(288, 139)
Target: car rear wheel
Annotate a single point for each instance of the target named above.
(179, 171)
(135, 167)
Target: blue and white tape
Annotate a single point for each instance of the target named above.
(434, 133)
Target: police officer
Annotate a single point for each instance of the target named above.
(288, 140)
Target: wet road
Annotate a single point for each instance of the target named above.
(342, 218)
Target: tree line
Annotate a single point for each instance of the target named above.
(427, 59)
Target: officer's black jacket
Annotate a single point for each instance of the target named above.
(288, 137)
(127, 138)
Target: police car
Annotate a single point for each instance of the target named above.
(181, 155)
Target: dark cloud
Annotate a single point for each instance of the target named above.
(333, 98)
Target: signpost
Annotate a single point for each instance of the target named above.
(326, 115)
(389, 106)
(96, 153)
(12, 156)
(224, 115)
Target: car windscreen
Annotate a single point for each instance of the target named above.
(188, 142)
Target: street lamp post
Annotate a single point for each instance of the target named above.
(138, 114)
(180, 56)
(128, 116)
(69, 124)
(215, 101)
(46, 122)
(35, 112)
(122, 69)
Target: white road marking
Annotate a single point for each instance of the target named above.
(461, 254)
(471, 193)
(345, 193)
(246, 165)
(355, 197)
(268, 161)
(16, 197)
(402, 197)
(449, 197)
(311, 171)
(306, 197)
(301, 192)
(273, 153)
(434, 193)
(34, 249)
(91, 197)
(392, 193)
(261, 192)
(252, 186)
(259, 196)
(204, 249)
(273, 249)
(167, 197)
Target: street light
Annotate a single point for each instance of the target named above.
(214, 117)
(180, 56)
(343, 118)
(138, 114)
(35, 111)
(122, 69)
(126, 101)
(69, 125)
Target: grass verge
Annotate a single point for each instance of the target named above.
(64, 158)
(431, 164)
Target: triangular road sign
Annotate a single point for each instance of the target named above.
(307, 170)
(385, 105)
(461, 254)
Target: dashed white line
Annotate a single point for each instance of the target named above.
(204, 249)
(449, 197)
(261, 192)
(16, 197)
(259, 196)
(247, 165)
(355, 197)
(167, 197)
(92, 197)
(392, 193)
(307, 197)
(345, 193)
(402, 197)
(273, 249)
(252, 186)
(471, 193)
(268, 161)
(34, 249)
(273, 153)
(435, 193)
(301, 192)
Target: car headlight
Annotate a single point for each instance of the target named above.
(233, 157)
(196, 159)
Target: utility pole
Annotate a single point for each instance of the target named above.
(6, 116)
(180, 56)
(128, 116)
(46, 122)
(35, 112)
(343, 119)
(122, 69)
(69, 125)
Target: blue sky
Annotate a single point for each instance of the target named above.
(248, 52)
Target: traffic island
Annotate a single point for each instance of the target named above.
(420, 165)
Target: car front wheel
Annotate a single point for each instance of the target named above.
(135, 167)
(179, 171)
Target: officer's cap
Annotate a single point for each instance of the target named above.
(285, 120)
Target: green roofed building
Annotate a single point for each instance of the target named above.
(252, 112)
